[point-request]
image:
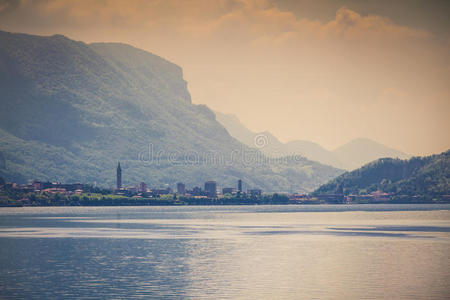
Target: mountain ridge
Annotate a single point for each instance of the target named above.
(71, 110)
(360, 151)
(349, 156)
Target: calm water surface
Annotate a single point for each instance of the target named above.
(220, 252)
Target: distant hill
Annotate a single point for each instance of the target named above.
(70, 111)
(271, 146)
(314, 152)
(350, 156)
(426, 178)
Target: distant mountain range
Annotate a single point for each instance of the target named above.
(70, 111)
(417, 179)
(352, 155)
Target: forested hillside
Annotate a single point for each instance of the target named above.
(425, 177)
(71, 110)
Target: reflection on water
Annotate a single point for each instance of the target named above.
(251, 252)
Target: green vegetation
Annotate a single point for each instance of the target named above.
(419, 179)
(85, 199)
(98, 197)
(71, 110)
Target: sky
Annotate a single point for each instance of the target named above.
(325, 71)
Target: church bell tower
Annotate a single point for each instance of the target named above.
(119, 176)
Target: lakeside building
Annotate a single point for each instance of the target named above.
(240, 186)
(381, 196)
(181, 188)
(228, 190)
(46, 186)
(49, 188)
(298, 197)
(142, 187)
(332, 198)
(158, 192)
(255, 192)
(61, 191)
(197, 191)
(39, 185)
(69, 186)
(132, 189)
(211, 189)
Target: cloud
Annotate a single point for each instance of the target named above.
(298, 77)
(350, 24)
(252, 19)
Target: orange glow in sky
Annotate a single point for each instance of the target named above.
(326, 73)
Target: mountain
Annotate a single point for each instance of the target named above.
(360, 151)
(352, 155)
(314, 152)
(270, 145)
(426, 178)
(236, 129)
(71, 111)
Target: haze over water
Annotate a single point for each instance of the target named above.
(246, 252)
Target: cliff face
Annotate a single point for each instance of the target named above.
(71, 110)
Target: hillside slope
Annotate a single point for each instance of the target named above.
(71, 110)
(426, 177)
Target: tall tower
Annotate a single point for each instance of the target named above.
(240, 186)
(211, 189)
(181, 188)
(119, 176)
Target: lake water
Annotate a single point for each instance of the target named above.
(220, 252)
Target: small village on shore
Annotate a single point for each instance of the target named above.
(45, 193)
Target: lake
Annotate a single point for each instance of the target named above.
(226, 252)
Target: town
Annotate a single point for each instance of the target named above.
(45, 193)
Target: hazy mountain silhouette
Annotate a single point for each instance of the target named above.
(315, 152)
(358, 152)
(352, 155)
(71, 110)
